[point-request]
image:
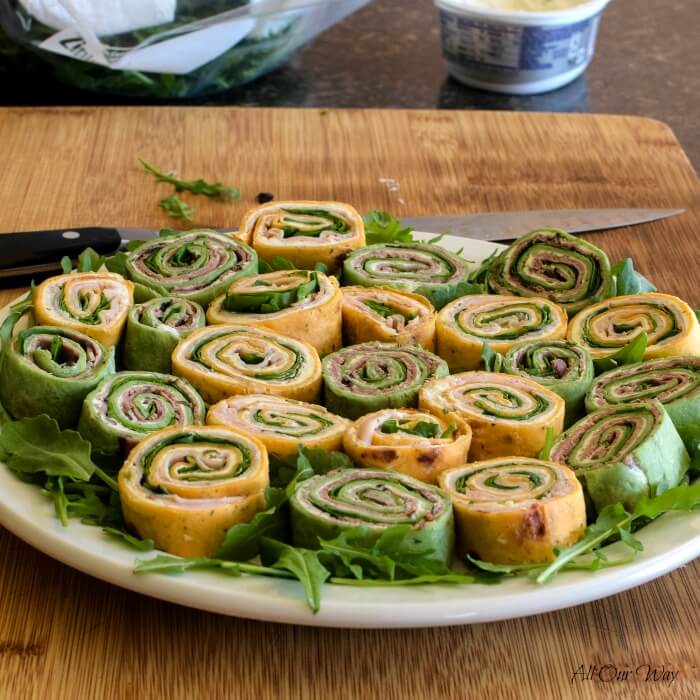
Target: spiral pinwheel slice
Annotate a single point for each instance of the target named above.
(281, 424)
(670, 324)
(304, 232)
(300, 304)
(515, 510)
(623, 453)
(197, 265)
(94, 303)
(508, 415)
(410, 441)
(51, 370)
(674, 381)
(154, 328)
(555, 265)
(325, 506)
(464, 325)
(367, 377)
(563, 367)
(184, 487)
(227, 360)
(127, 406)
(423, 268)
(387, 315)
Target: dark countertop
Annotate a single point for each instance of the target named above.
(388, 55)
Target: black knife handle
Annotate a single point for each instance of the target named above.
(32, 249)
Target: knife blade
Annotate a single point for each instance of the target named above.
(504, 226)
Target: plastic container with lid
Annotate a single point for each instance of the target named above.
(518, 52)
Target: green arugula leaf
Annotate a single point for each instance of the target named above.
(478, 276)
(90, 503)
(214, 190)
(133, 542)
(320, 461)
(170, 565)
(450, 579)
(173, 206)
(630, 354)
(444, 295)
(685, 497)
(449, 431)
(628, 280)
(117, 262)
(66, 265)
(382, 227)
(492, 361)
(33, 445)
(437, 239)
(90, 261)
(546, 450)
(303, 563)
(421, 429)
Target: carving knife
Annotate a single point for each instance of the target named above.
(36, 252)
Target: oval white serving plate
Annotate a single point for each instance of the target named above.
(669, 542)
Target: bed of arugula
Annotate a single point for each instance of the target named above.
(81, 486)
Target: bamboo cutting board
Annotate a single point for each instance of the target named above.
(65, 635)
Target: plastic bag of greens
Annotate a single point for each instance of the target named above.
(167, 48)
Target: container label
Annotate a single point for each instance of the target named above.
(512, 48)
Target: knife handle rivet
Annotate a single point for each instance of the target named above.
(70, 235)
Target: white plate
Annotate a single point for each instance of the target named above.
(669, 542)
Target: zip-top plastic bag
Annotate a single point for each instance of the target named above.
(167, 48)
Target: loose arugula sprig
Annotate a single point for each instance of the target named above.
(628, 280)
(546, 450)
(16, 312)
(382, 227)
(214, 190)
(173, 206)
(630, 354)
(492, 361)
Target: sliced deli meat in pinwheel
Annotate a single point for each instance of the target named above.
(387, 315)
(464, 325)
(184, 487)
(674, 381)
(425, 269)
(671, 326)
(515, 510)
(325, 506)
(563, 367)
(127, 406)
(553, 264)
(197, 265)
(363, 378)
(94, 303)
(281, 424)
(623, 453)
(226, 360)
(155, 327)
(508, 415)
(410, 441)
(304, 232)
(45, 369)
(301, 304)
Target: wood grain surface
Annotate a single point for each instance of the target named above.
(66, 635)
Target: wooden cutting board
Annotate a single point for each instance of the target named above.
(63, 634)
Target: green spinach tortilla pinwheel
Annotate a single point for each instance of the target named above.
(464, 325)
(281, 424)
(303, 232)
(508, 415)
(227, 360)
(94, 303)
(674, 381)
(410, 441)
(184, 487)
(367, 377)
(515, 510)
(623, 453)
(154, 328)
(127, 406)
(563, 367)
(325, 506)
(671, 326)
(301, 304)
(425, 269)
(553, 264)
(387, 315)
(197, 265)
(51, 370)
